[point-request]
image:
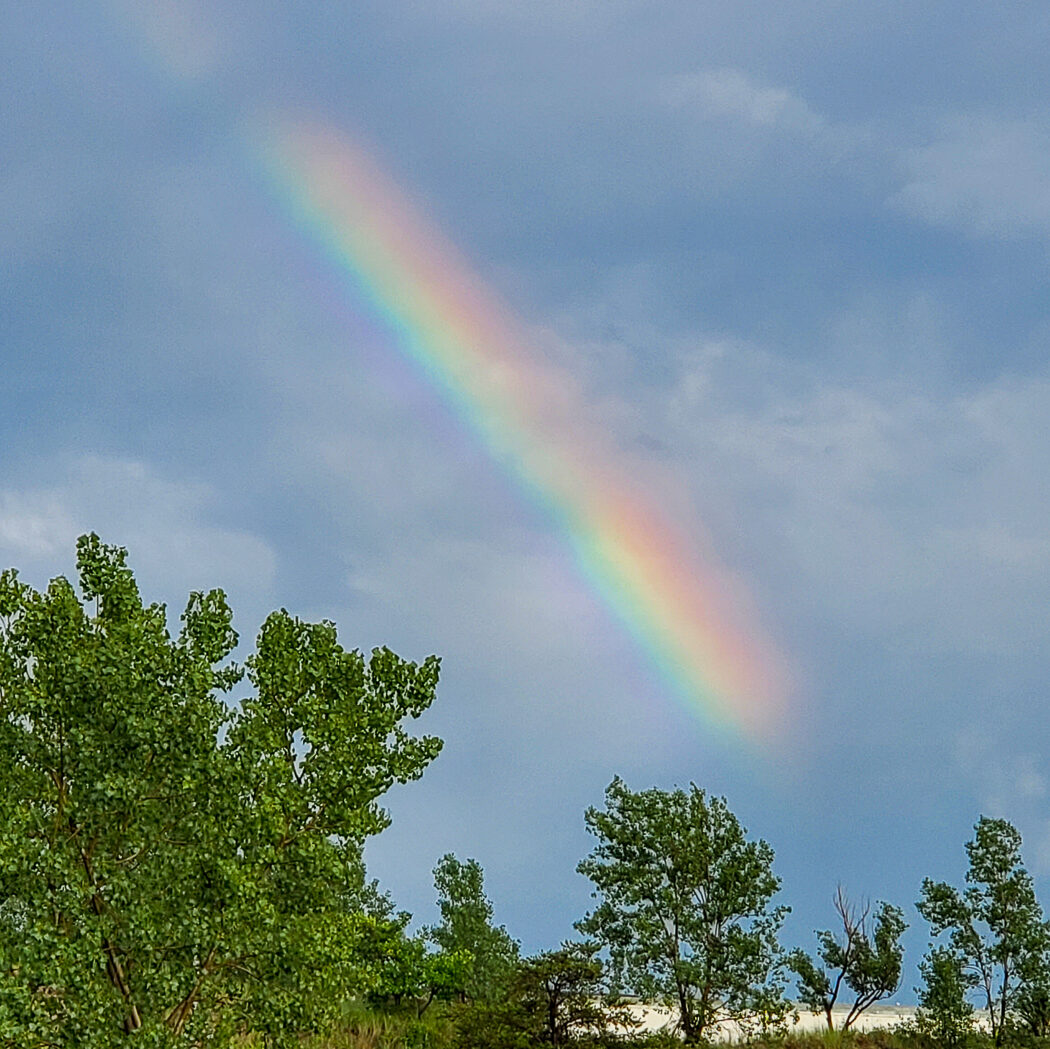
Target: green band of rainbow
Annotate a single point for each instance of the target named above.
(531, 419)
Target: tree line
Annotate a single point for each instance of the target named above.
(181, 864)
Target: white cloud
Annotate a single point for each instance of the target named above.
(163, 523)
(901, 510)
(1003, 781)
(34, 524)
(180, 34)
(730, 93)
(546, 13)
(985, 174)
(1007, 785)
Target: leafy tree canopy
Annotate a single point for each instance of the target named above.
(408, 974)
(171, 866)
(995, 926)
(866, 956)
(944, 1013)
(685, 906)
(466, 927)
(564, 994)
(552, 999)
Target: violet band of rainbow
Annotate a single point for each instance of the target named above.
(529, 417)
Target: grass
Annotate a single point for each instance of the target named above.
(365, 1028)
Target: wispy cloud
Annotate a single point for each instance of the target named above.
(905, 507)
(732, 94)
(182, 35)
(1007, 785)
(985, 174)
(35, 524)
(163, 522)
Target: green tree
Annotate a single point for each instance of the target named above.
(995, 926)
(564, 991)
(1032, 1004)
(685, 906)
(553, 998)
(866, 956)
(408, 974)
(172, 867)
(944, 1013)
(466, 927)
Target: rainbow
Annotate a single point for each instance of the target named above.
(534, 422)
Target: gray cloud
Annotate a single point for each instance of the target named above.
(907, 509)
(1008, 784)
(984, 174)
(163, 522)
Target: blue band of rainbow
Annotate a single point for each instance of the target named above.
(678, 605)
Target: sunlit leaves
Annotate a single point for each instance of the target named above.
(170, 864)
(685, 906)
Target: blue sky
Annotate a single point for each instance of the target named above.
(795, 255)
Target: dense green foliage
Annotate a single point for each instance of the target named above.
(684, 906)
(551, 999)
(944, 1013)
(406, 973)
(466, 928)
(169, 866)
(181, 865)
(995, 926)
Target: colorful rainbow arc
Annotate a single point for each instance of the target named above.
(530, 418)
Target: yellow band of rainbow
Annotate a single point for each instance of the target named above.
(531, 419)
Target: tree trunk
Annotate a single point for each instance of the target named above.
(114, 970)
